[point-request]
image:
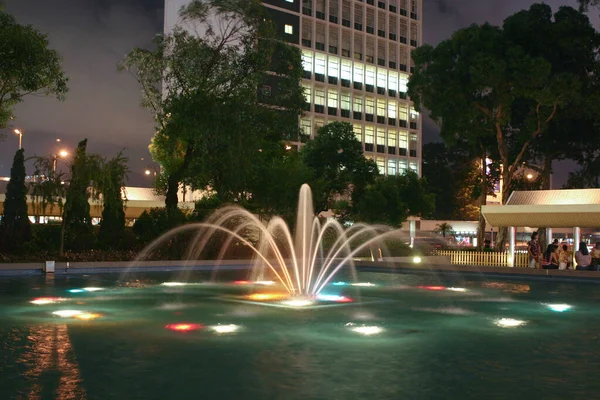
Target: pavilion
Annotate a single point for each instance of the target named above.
(566, 208)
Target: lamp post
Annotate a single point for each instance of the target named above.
(20, 133)
(62, 154)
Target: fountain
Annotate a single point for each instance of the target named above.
(302, 263)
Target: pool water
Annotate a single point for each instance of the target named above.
(481, 339)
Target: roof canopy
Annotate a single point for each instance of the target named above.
(548, 208)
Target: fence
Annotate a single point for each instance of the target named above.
(483, 258)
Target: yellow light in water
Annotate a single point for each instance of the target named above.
(46, 300)
(363, 284)
(266, 283)
(173, 284)
(267, 296)
(92, 289)
(417, 259)
(297, 302)
(509, 322)
(456, 289)
(87, 316)
(224, 328)
(367, 330)
(67, 313)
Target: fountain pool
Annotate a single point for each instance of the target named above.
(411, 337)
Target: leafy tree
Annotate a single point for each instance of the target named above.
(480, 81)
(210, 123)
(47, 187)
(584, 5)
(27, 66)
(444, 229)
(339, 168)
(391, 200)
(14, 226)
(111, 186)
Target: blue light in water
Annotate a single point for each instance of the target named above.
(559, 307)
(340, 283)
(76, 291)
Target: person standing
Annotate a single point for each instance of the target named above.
(533, 250)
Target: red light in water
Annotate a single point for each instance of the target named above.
(241, 282)
(433, 287)
(344, 300)
(183, 327)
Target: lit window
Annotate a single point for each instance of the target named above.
(370, 106)
(306, 127)
(289, 29)
(414, 115)
(391, 167)
(290, 1)
(380, 108)
(333, 67)
(392, 109)
(381, 78)
(401, 167)
(358, 104)
(402, 112)
(357, 129)
(393, 81)
(403, 84)
(369, 134)
(381, 165)
(358, 73)
(307, 60)
(332, 99)
(320, 64)
(403, 140)
(392, 138)
(307, 93)
(346, 70)
(319, 97)
(370, 76)
(413, 167)
(380, 137)
(345, 101)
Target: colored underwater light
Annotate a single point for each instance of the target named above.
(76, 291)
(456, 289)
(297, 302)
(67, 313)
(86, 316)
(224, 328)
(173, 284)
(417, 260)
(559, 307)
(363, 284)
(241, 282)
(267, 296)
(432, 287)
(340, 283)
(183, 327)
(92, 289)
(46, 300)
(266, 283)
(509, 322)
(367, 330)
(334, 297)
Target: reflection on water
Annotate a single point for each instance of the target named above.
(507, 287)
(50, 354)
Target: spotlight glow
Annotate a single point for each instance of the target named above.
(224, 328)
(432, 287)
(298, 302)
(416, 260)
(363, 284)
(266, 283)
(241, 282)
(559, 307)
(367, 330)
(86, 316)
(92, 289)
(173, 284)
(456, 289)
(76, 291)
(334, 297)
(340, 283)
(183, 327)
(67, 313)
(509, 322)
(47, 300)
(267, 296)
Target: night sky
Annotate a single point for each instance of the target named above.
(103, 105)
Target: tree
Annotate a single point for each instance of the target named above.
(390, 200)
(339, 168)
(444, 229)
(76, 230)
(14, 226)
(27, 66)
(47, 187)
(480, 84)
(210, 122)
(584, 5)
(111, 187)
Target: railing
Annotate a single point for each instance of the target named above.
(484, 258)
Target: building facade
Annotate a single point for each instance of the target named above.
(356, 60)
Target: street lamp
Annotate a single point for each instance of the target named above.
(151, 169)
(20, 133)
(62, 154)
(530, 176)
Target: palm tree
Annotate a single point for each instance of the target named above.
(444, 229)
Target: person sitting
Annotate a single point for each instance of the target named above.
(583, 258)
(563, 257)
(596, 257)
(550, 258)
